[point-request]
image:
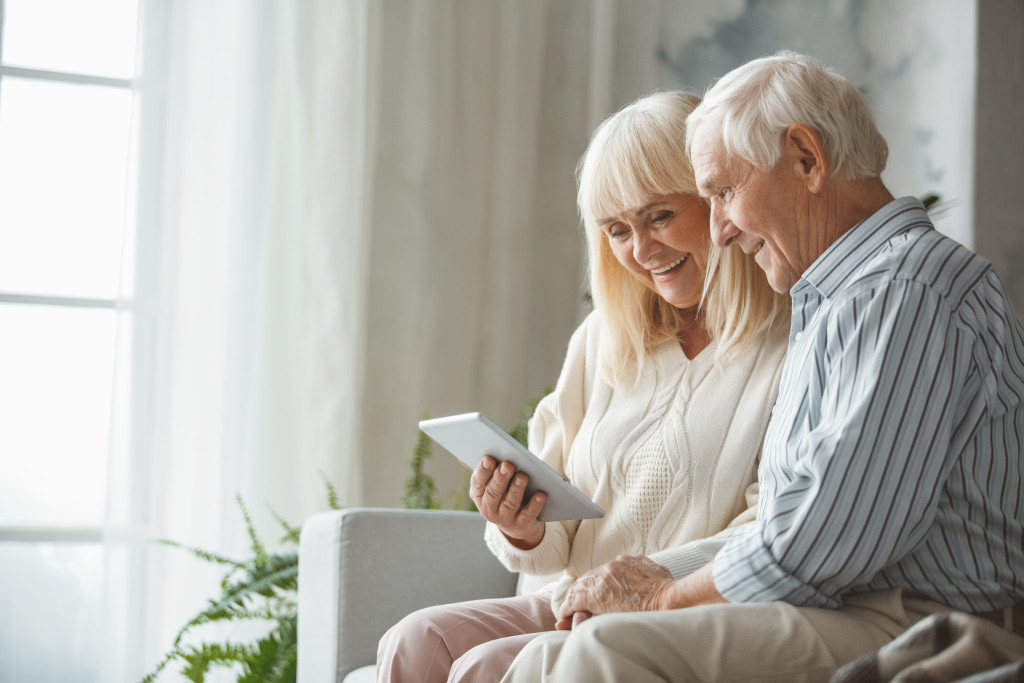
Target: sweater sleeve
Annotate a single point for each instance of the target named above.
(553, 427)
(689, 557)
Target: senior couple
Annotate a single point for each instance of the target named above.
(796, 469)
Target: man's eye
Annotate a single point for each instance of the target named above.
(724, 193)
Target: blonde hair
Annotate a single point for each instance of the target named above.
(635, 155)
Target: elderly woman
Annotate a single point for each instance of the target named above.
(658, 414)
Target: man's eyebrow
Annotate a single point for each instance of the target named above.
(710, 183)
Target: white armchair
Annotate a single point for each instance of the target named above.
(362, 570)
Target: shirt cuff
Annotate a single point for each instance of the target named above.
(746, 571)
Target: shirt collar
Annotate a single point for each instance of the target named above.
(847, 255)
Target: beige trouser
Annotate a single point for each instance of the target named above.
(465, 641)
(733, 642)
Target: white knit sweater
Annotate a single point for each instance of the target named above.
(672, 461)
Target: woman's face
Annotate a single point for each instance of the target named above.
(664, 245)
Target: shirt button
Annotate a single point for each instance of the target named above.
(798, 335)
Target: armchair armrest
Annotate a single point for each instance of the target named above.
(362, 570)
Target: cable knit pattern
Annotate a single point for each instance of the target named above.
(672, 460)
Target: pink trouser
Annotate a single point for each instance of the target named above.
(465, 641)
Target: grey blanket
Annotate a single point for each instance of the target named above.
(940, 648)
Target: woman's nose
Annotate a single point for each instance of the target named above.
(644, 247)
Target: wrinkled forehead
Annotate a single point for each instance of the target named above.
(708, 154)
(706, 136)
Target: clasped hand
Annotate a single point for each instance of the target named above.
(497, 490)
(629, 583)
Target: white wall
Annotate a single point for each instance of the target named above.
(999, 168)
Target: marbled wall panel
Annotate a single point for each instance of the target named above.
(913, 60)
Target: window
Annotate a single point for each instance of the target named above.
(70, 108)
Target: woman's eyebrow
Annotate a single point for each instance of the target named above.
(642, 210)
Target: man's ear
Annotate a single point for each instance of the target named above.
(808, 154)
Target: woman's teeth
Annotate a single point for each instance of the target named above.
(671, 266)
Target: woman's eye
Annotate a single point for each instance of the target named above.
(618, 234)
(661, 217)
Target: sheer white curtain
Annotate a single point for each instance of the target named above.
(366, 212)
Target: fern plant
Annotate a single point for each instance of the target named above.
(420, 490)
(260, 590)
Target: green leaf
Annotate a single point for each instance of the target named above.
(257, 582)
(199, 553)
(332, 493)
(291, 535)
(258, 549)
(198, 659)
(420, 489)
(520, 432)
(275, 656)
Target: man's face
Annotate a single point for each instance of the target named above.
(762, 213)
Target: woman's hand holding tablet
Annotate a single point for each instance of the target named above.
(472, 436)
(499, 493)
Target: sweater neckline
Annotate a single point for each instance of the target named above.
(672, 359)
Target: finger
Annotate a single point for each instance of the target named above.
(563, 625)
(531, 510)
(513, 500)
(481, 475)
(494, 491)
(579, 618)
(572, 602)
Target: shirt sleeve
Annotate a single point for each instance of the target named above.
(860, 475)
(552, 430)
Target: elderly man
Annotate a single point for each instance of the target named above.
(892, 476)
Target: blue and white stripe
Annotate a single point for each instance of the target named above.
(894, 454)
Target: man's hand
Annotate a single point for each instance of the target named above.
(499, 497)
(629, 583)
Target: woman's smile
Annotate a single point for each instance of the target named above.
(664, 270)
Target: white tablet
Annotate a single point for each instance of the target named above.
(471, 436)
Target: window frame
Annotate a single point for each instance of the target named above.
(60, 533)
(143, 193)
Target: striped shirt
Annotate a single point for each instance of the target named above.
(894, 453)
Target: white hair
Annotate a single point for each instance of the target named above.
(757, 102)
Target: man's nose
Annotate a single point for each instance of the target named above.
(723, 232)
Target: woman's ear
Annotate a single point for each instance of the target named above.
(808, 154)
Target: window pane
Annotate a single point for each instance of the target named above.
(56, 378)
(64, 152)
(95, 37)
(50, 612)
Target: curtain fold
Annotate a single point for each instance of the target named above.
(477, 262)
(367, 213)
